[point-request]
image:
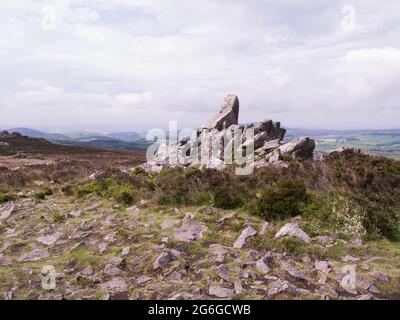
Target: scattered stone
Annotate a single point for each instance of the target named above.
(279, 286)
(95, 175)
(223, 273)
(265, 227)
(241, 241)
(265, 264)
(174, 276)
(133, 209)
(88, 271)
(74, 214)
(220, 292)
(143, 279)
(93, 207)
(103, 247)
(367, 296)
(50, 239)
(39, 183)
(163, 259)
(380, 276)
(356, 239)
(325, 239)
(226, 217)
(350, 258)
(323, 266)
(328, 292)
(169, 224)
(111, 237)
(238, 287)
(293, 271)
(6, 211)
(190, 230)
(374, 290)
(115, 285)
(34, 255)
(248, 273)
(125, 251)
(293, 230)
(112, 271)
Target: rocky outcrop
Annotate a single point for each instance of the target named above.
(222, 141)
(227, 116)
(302, 148)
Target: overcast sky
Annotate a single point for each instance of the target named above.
(116, 65)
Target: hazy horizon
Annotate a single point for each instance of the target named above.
(134, 65)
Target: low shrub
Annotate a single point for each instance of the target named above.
(6, 198)
(278, 201)
(41, 195)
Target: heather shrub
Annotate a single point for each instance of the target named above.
(279, 201)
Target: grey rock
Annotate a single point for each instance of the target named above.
(279, 286)
(190, 230)
(34, 255)
(323, 266)
(74, 214)
(223, 273)
(143, 279)
(265, 227)
(50, 239)
(241, 241)
(238, 287)
(379, 276)
(112, 271)
(125, 251)
(133, 209)
(163, 260)
(272, 129)
(293, 271)
(169, 224)
(356, 239)
(6, 211)
(265, 264)
(350, 258)
(301, 148)
(220, 292)
(293, 230)
(115, 285)
(227, 116)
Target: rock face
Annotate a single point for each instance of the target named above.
(222, 140)
(227, 116)
(302, 148)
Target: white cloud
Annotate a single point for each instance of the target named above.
(127, 64)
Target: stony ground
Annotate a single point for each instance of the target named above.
(101, 250)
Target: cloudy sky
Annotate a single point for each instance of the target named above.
(135, 64)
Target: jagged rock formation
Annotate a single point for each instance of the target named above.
(227, 116)
(222, 140)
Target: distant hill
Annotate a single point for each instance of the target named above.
(38, 134)
(118, 141)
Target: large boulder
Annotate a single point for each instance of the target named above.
(272, 130)
(293, 230)
(301, 148)
(227, 115)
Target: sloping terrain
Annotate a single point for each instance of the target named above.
(315, 230)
